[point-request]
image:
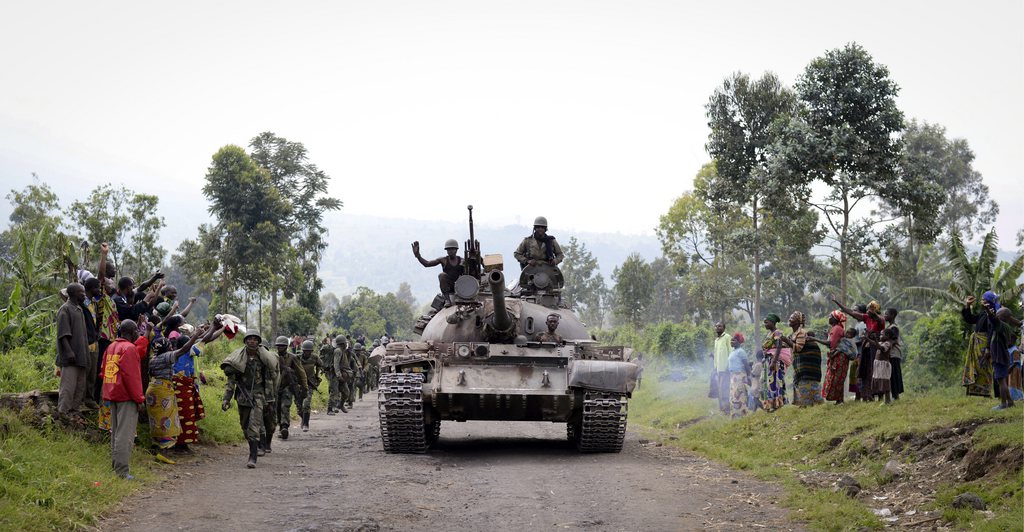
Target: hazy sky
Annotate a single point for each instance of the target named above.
(591, 113)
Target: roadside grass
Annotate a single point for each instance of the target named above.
(782, 445)
(51, 478)
(54, 478)
(23, 370)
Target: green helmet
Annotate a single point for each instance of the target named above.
(541, 221)
(358, 347)
(451, 243)
(163, 309)
(281, 340)
(376, 343)
(307, 345)
(339, 341)
(252, 332)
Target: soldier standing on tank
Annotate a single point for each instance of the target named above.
(451, 266)
(251, 378)
(550, 336)
(311, 365)
(539, 248)
(293, 385)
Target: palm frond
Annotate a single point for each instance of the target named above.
(987, 258)
(934, 293)
(1007, 277)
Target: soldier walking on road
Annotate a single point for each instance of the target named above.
(359, 360)
(341, 373)
(311, 365)
(293, 385)
(252, 376)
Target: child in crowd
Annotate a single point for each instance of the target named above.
(882, 371)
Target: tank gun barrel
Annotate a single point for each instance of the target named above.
(501, 321)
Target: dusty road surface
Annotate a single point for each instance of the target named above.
(481, 476)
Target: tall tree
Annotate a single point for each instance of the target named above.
(844, 136)
(305, 186)
(745, 116)
(634, 283)
(126, 220)
(668, 298)
(32, 208)
(934, 164)
(584, 284)
(252, 221)
(696, 238)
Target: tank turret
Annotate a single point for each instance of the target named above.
(477, 359)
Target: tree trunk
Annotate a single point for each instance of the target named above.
(843, 260)
(273, 311)
(224, 291)
(259, 309)
(756, 318)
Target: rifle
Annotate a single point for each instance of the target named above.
(473, 261)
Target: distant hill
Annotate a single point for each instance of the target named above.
(376, 252)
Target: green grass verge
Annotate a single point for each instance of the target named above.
(782, 445)
(54, 479)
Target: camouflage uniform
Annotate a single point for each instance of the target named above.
(250, 389)
(548, 337)
(344, 368)
(531, 248)
(359, 360)
(287, 391)
(312, 365)
(333, 386)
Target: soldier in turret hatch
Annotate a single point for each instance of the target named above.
(550, 336)
(451, 266)
(539, 248)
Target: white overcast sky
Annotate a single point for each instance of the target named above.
(591, 113)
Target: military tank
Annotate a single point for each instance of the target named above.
(476, 360)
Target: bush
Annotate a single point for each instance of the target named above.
(672, 342)
(934, 351)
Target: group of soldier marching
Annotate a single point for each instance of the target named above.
(265, 385)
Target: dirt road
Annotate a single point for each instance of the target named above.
(481, 476)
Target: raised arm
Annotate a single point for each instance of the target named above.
(205, 331)
(426, 263)
(859, 316)
(188, 308)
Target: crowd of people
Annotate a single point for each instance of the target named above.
(867, 355)
(126, 352)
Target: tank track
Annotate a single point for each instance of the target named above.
(402, 420)
(603, 427)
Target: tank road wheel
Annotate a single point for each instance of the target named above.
(433, 431)
(604, 423)
(403, 427)
(572, 432)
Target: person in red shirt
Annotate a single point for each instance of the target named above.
(122, 386)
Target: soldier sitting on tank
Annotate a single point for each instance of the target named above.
(451, 266)
(550, 336)
(539, 248)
